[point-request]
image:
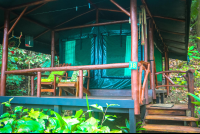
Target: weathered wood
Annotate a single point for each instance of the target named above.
(170, 72)
(151, 57)
(32, 86)
(93, 25)
(39, 84)
(80, 84)
(71, 68)
(22, 13)
(166, 112)
(171, 128)
(172, 118)
(66, 84)
(57, 109)
(175, 107)
(169, 79)
(171, 86)
(167, 69)
(5, 53)
(121, 8)
(111, 10)
(134, 55)
(52, 48)
(47, 90)
(29, 4)
(190, 77)
(168, 18)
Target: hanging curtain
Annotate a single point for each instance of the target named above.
(70, 52)
(127, 71)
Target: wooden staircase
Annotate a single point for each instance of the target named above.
(174, 119)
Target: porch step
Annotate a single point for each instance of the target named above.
(175, 107)
(171, 128)
(172, 118)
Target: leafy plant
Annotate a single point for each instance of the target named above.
(127, 128)
(22, 120)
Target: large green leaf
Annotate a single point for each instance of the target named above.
(195, 97)
(6, 129)
(5, 115)
(18, 109)
(78, 113)
(60, 120)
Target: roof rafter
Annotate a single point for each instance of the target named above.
(29, 4)
(148, 11)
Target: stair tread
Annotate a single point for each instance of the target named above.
(174, 118)
(171, 128)
(175, 107)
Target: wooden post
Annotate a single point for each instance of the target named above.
(151, 43)
(134, 55)
(4, 53)
(190, 77)
(32, 86)
(146, 60)
(80, 84)
(39, 84)
(166, 69)
(52, 48)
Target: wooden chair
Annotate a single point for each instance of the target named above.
(73, 86)
(49, 85)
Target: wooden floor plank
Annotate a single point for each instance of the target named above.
(171, 128)
(176, 106)
(172, 118)
(166, 112)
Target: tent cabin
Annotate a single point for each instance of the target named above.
(122, 43)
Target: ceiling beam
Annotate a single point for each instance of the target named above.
(168, 18)
(17, 20)
(31, 20)
(176, 47)
(121, 8)
(171, 32)
(41, 34)
(111, 10)
(29, 4)
(149, 13)
(93, 25)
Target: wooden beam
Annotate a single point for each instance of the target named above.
(176, 47)
(26, 13)
(52, 48)
(121, 8)
(31, 20)
(169, 79)
(151, 57)
(71, 68)
(74, 18)
(41, 34)
(34, 8)
(171, 32)
(167, 68)
(111, 10)
(29, 4)
(149, 13)
(17, 20)
(93, 25)
(5, 53)
(134, 55)
(168, 18)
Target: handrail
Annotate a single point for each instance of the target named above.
(170, 72)
(71, 68)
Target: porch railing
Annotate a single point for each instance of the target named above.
(37, 72)
(189, 77)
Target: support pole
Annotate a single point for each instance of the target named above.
(39, 84)
(166, 69)
(134, 55)
(151, 57)
(52, 48)
(4, 53)
(32, 85)
(146, 60)
(80, 84)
